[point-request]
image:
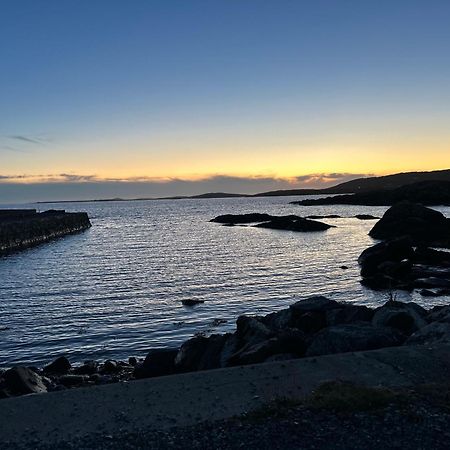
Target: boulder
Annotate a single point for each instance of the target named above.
(439, 314)
(317, 303)
(395, 250)
(88, 368)
(348, 314)
(21, 380)
(353, 337)
(278, 320)
(251, 330)
(59, 366)
(200, 353)
(405, 317)
(158, 362)
(434, 333)
(289, 341)
(110, 366)
(424, 226)
(430, 256)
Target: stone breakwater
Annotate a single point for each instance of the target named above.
(23, 228)
(311, 327)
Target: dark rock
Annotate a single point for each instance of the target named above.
(294, 223)
(405, 317)
(309, 322)
(158, 362)
(430, 256)
(88, 368)
(348, 314)
(191, 302)
(395, 250)
(73, 380)
(278, 320)
(432, 282)
(132, 361)
(242, 218)
(200, 353)
(351, 338)
(428, 293)
(289, 341)
(439, 314)
(366, 217)
(316, 303)
(251, 330)
(329, 216)
(434, 333)
(309, 315)
(59, 366)
(21, 380)
(344, 267)
(424, 226)
(110, 366)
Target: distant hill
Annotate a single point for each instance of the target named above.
(368, 184)
(431, 192)
(388, 181)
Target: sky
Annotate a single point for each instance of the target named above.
(106, 98)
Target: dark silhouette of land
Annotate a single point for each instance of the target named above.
(358, 185)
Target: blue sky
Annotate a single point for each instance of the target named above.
(160, 90)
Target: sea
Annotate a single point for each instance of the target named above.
(116, 290)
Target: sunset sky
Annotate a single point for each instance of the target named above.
(132, 98)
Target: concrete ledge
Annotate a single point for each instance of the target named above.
(178, 400)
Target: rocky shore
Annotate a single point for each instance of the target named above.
(23, 228)
(311, 327)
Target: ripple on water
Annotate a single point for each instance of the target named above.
(116, 289)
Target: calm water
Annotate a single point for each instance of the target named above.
(115, 290)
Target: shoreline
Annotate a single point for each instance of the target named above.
(311, 327)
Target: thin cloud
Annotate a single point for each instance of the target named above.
(13, 149)
(27, 139)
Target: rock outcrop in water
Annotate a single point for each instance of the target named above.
(288, 223)
(20, 229)
(405, 260)
(424, 226)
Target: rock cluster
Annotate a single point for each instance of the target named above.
(60, 375)
(311, 327)
(289, 223)
(405, 260)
